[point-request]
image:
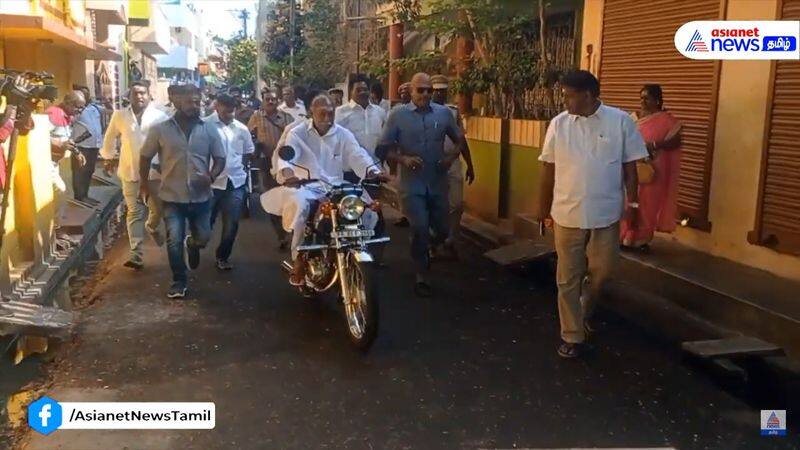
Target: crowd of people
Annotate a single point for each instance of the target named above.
(609, 178)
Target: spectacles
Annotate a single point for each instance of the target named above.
(424, 90)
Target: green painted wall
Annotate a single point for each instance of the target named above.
(524, 184)
(481, 198)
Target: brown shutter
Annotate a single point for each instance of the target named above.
(778, 215)
(638, 47)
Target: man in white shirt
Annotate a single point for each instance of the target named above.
(325, 149)
(589, 155)
(229, 188)
(361, 117)
(376, 97)
(291, 106)
(131, 126)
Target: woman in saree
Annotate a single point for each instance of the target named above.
(658, 197)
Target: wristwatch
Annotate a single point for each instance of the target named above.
(634, 205)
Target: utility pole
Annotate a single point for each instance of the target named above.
(244, 15)
(358, 37)
(291, 37)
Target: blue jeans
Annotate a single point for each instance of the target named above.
(230, 203)
(175, 217)
(426, 213)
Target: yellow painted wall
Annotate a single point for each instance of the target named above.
(591, 34)
(743, 95)
(66, 65)
(29, 219)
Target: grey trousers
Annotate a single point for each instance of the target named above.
(137, 216)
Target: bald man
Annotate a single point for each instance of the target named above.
(61, 117)
(325, 149)
(414, 138)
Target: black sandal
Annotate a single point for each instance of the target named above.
(569, 350)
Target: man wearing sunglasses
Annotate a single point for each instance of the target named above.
(414, 137)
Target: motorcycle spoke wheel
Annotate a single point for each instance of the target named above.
(355, 301)
(360, 305)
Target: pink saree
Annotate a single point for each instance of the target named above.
(658, 199)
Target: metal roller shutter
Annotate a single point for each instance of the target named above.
(778, 216)
(638, 47)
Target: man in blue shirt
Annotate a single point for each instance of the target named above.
(414, 137)
(87, 132)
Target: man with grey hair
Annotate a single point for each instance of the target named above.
(414, 137)
(325, 149)
(61, 146)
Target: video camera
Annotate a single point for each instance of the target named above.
(42, 86)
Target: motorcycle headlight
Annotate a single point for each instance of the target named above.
(351, 207)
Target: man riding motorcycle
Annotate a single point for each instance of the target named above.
(323, 151)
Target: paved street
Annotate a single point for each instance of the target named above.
(474, 367)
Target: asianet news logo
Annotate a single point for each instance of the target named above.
(736, 39)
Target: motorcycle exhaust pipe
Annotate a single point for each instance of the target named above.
(287, 266)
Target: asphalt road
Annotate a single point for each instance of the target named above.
(473, 367)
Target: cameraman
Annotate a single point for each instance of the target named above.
(12, 109)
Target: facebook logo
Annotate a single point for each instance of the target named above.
(44, 415)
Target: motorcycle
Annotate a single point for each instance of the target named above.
(335, 251)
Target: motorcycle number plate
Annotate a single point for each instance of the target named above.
(353, 234)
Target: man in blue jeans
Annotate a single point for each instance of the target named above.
(229, 188)
(185, 146)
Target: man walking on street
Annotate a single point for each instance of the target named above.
(89, 127)
(376, 97)
(404, 91)
(131, 125)
(589, 155)
(185, 146)
(455, 176)
(269, 124)
(229, 188)
(361, 117)
(291, 106)
(414, 134)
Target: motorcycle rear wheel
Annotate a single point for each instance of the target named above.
(361, 304)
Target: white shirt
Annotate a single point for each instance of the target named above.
(123, 124)
(365, 124)
(385, 105)
(297, 113)
(588, 153)
(237, 142)
(327, 157)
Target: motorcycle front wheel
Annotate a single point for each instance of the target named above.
(360, 303)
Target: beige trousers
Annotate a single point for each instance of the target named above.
(581, 254)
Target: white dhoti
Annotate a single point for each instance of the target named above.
(455, 177)
(294, 206)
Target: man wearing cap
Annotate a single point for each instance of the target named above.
(453, 151)
(404, 91)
